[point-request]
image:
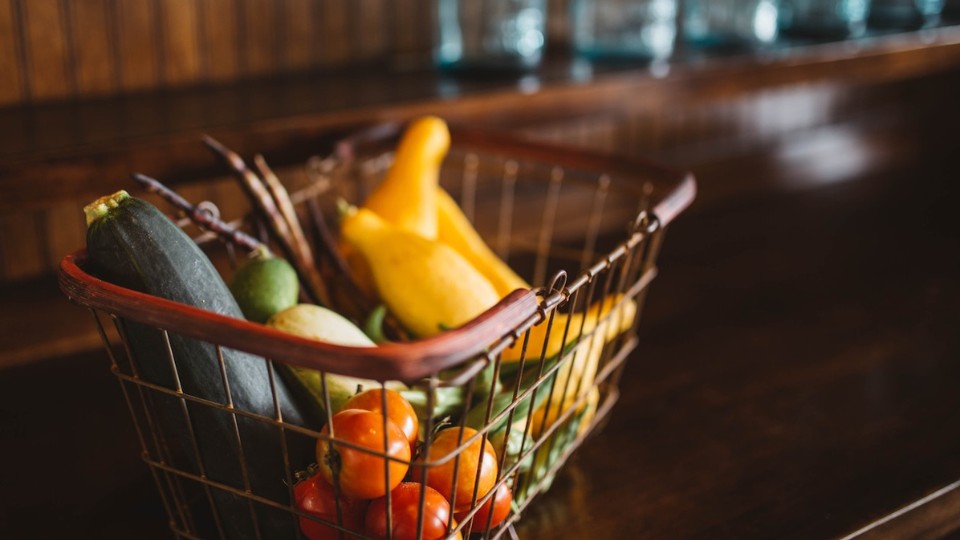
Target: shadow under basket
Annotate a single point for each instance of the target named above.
(533, 375)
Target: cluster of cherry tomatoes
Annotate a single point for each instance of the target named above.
(364, 478)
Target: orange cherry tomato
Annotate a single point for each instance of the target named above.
(405, 514)
(500, 502)
(477, 466)
(399, 409)
(315, 497)
(362, 474)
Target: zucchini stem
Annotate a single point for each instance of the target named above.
(100, 207)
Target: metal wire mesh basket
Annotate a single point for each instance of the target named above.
(534, 375)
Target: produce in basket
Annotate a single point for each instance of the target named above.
(410, 199)
(407, 196)
(405, 514)
(132, 244)
(457, 474)
(492, 512)
(358, 470)
(530, 412)
(264, 285)
(399, 410)
(427, 285)
(322, 324)
(316, 497)
(617, 309)
(455, 230)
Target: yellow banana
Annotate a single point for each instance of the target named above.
(455, 230)
(426, 284)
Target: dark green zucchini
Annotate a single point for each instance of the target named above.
(132, 244)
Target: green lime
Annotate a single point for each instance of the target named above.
(265, 285)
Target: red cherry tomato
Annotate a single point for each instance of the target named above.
(315, 497)
(361, 473)
(405, 512)
(399, 409)
(500, 502)
(477, 466)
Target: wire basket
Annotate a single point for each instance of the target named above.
(533, 375)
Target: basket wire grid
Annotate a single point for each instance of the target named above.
(541, 208)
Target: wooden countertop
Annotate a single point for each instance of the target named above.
(796, 378)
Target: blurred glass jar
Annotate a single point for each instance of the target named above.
(824, 18)
(499, 34)
(904, 13)
(709, 23)
(623, 29)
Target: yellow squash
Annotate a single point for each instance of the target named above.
(427, 285)
(579, 367)
(617, 321)
(407, 197)
(455, 230)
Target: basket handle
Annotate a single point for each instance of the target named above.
(674, 190)
(407, 362)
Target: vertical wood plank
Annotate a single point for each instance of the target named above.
(426, 26)
(24, 254)
(298, 42)
(46, 49)
(11, 84)
(403, 16)
(136, 32)
(92, 50)
(180, 43)
(259, 44)
(220, 40)
(335, 32)
(371, 30)
(414, 30)
(64, 230)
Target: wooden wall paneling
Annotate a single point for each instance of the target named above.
(24, 245)
(14, 136)
(180, 41)
(46, 49)
(65, 231)
(335, 32)
(101, 122)
(372, 33)
(259, 35)
(406, 17)
(11, 57)
(219, 39)
(298, 41)
(426, 25)
(93, 51)
(138, 38)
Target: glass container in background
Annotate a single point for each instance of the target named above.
(904, 13)
(730, 23)
(490, 34)
(824, 18)
(623, 29)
